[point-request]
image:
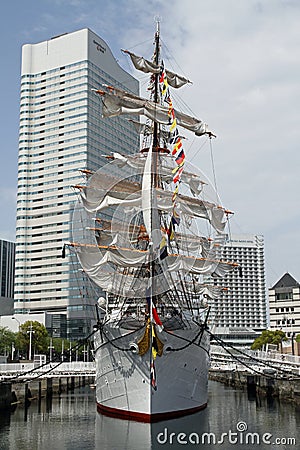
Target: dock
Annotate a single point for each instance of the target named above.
(259, 372)
(22, 383)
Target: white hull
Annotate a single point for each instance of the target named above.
(123, 380)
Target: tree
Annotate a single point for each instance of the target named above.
(59, 345)
(39, 337)
(7, 340)
(268, 337)
(298, 338)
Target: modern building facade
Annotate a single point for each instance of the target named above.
(284, 306)
(62, 134)
(7, 270)
(242, 306)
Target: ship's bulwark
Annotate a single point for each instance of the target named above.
(125, 387)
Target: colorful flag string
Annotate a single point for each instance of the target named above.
(176, 143)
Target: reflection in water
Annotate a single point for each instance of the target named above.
(122, 434)
(71, 422)
(4, 429)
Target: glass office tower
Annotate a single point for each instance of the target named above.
(7, 268)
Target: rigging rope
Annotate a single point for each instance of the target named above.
(213, 166)
(112, 341)
(189, 342)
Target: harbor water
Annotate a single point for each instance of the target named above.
(233, 419)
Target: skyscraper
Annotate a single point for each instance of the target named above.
(61, 135)
(243, 303)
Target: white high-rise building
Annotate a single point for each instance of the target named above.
(61, 134)
(243, 303)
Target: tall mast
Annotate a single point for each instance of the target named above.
(154, 176)
(156, 79)
(156, 100)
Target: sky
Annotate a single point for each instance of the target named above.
(243, 57)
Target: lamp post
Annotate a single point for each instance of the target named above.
(291, 334)
(293, 344)
(51, 349)
(12, 350)
(84, 351)
(30, 331)
(19, 324)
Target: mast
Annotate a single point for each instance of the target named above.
(156, 75)
(151, 196)
(154, 184)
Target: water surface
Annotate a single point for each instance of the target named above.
(232, 420)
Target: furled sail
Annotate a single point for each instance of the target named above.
(126, 283)
(98, 199)
(117, 102)
(149, 204)
(193, 181)
(93, 258)
(140, 63)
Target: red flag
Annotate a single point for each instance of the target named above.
(156, 317)
(180, 158)
(178, 175)
(153, 376)
(177, 146)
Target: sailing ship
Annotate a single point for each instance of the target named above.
(147, 249)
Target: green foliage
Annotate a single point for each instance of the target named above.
(298, 338)
(39, 337)
(268, 337)
(60, 344)
(7, 338)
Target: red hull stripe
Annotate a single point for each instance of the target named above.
(147, 418)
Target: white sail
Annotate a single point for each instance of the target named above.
(98, 199)
(123, 233)
(149, 204)
(201, 289)
(193, 181)
(130, 257)
(140, 63)
(128, 284)
(117, 102)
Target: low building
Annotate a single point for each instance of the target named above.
(235, 336)
(284, 307)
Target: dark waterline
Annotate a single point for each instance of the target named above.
(71, 422)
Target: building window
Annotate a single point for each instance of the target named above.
(284, 296)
